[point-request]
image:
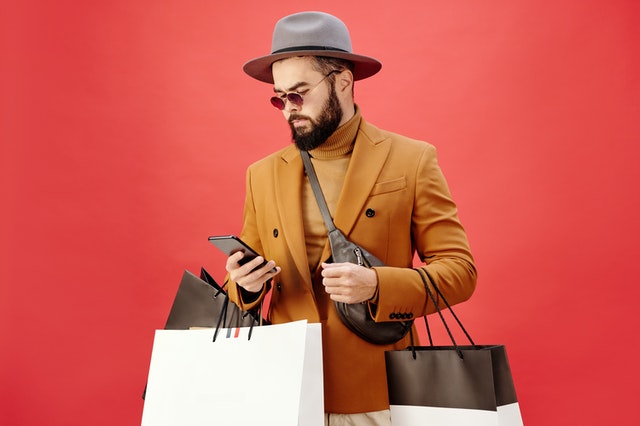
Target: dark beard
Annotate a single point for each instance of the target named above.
(321, 129)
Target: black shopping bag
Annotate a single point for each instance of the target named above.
(451, 385)
(201, 302)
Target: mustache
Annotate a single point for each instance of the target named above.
(294, 117)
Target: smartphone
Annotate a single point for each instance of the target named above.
(230, 244)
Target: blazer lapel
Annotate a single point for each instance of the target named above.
(369, 154)
(289, 176)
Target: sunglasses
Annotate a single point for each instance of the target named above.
(295, 97)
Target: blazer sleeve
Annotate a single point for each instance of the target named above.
(249, 235)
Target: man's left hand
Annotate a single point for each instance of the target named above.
(348, 282)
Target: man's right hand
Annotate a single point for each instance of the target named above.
(245, 275)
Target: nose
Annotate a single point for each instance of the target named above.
(290, 106)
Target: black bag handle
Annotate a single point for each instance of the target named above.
(426, 281)
(222, 318)
(448, 306)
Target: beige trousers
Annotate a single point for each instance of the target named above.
(374, 418)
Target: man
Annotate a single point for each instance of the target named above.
(385, 192)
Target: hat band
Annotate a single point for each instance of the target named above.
(296, 48)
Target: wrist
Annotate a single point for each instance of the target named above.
(374, 297)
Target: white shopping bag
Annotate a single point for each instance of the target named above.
(273, 378)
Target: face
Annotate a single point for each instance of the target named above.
(320, 113)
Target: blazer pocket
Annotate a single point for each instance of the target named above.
(389, 186)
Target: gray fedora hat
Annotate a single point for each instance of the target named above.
(311, 34)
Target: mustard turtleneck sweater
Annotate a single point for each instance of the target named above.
(330, 160)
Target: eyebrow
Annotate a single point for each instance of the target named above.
(292, 88)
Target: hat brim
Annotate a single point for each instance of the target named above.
(260, 68)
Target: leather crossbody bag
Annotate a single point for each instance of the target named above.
(356, 316)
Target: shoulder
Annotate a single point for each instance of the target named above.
(283, 156)
(399, 144)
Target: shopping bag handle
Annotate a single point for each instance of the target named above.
(423, 272)
(222, 318)
(256, 314)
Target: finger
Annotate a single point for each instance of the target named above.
(341, 294)
(241, 274)
(255, 272)
(338, 265)
(232, 261)
(338, 298)
(338, 286)
(252, 264)
(343, 298)
(334, 270)
(333, 287)
(269, 270)
(342, 278)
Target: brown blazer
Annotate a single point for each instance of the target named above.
(395, 201)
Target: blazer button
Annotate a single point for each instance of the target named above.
(370, 213)
(392, 316)
(279, 287)
(275, 233)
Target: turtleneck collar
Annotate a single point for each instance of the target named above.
(341, 142)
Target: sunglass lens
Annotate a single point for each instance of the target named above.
(295, 98)
(277, 102)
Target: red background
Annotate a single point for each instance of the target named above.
(126, 127)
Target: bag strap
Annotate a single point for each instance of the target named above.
(317, 191)
(426, 281)
(222, 319)
(448, 307)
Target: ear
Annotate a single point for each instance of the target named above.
(344, 82)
